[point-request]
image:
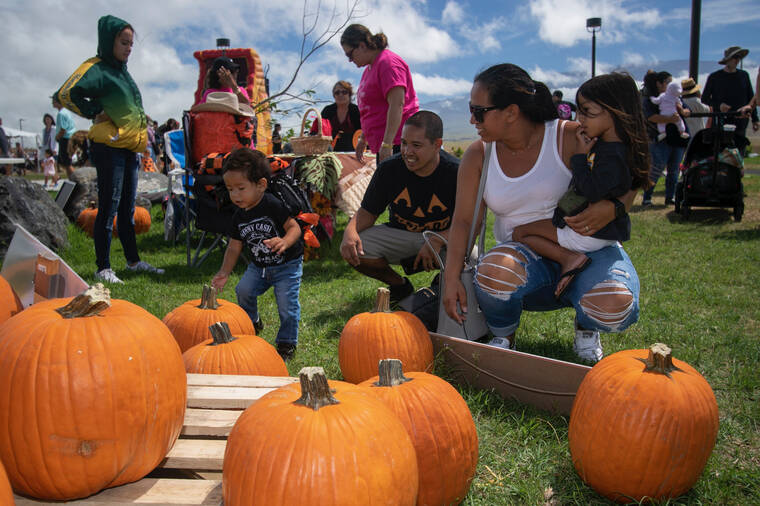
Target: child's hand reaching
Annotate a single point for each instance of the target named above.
(219, 280)
(276, 244)
(584, 143)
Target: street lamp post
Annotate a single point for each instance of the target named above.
(592, 25)
(20, 122)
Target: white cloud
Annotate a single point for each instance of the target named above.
(440, 86)
(452, 13)
(563, 22)
(632, 59)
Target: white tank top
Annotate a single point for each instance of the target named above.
(530, 197)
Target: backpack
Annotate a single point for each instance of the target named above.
(295, 199)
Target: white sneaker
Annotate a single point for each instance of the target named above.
(144, 267)
(587, 345)
(501, 342)
(108, 275)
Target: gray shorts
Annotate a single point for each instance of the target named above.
(393, 244)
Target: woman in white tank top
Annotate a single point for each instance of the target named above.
(526, 175)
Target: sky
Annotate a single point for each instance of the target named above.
(446, 43)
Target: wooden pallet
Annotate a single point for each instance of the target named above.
(214, 403)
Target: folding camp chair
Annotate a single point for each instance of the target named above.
(179, 212)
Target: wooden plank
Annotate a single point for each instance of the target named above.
(224, 397)
(150, 491)
(539, 381)
(235, 380)
(209, 422)
(196, 454)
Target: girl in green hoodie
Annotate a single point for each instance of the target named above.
(101, 89)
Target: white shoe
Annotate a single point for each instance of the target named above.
(108, 275)
(587, 345)
(144, 267)
(501, 342)
(661, 137)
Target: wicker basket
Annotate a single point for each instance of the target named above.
(311, 144)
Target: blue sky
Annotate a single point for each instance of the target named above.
(445, 43)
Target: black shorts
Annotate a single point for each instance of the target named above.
(63, 153)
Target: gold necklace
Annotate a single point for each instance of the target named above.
(531, 141)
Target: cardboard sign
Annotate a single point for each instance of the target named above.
(36, 273)
(545, 383)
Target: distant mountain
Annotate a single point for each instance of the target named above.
(456, 118)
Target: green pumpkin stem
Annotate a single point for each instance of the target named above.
(383, 301)
(315, 391)
(221, 333)
(391, 373)
(91, 302)
(208, 298)
(660, 360)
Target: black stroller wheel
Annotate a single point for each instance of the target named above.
(685, 212)
(738, 211)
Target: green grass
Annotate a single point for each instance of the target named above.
(699, 284)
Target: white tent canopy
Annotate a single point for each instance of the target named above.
(27, 139)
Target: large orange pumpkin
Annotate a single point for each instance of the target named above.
(189, 322)
(238, 354)
(6, 494)
(642, 430)
(440, 425)
(92, 395)
(9, 301)
(319, 443)
(86, 220)
(370, 337)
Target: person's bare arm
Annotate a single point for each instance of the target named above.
(231, 255)
(351, 245)
(395, 98)
(468, 180)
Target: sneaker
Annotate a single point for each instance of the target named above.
(587, 345)
(502, 342)
(661, 137)
(646, 203)
(107, 275)
(286, 350)
(399, 292)
(144, 267)
(258, 325)
(670, 202)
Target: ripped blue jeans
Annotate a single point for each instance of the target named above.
(511, 278)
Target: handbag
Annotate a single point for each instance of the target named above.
(474, 326)
(571, 203)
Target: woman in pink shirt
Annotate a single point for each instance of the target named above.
(386, 96)
(222, 76)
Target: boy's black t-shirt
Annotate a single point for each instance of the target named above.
(264, 221)
(414, 203)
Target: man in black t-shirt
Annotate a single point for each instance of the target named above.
(730, 89)
(418, 187)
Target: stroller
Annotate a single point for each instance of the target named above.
(712, 169)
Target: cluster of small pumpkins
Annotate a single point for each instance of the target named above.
(93, 391)
(86, 220)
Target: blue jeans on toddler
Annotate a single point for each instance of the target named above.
(610, 270)
(664, 156)
(286, 279)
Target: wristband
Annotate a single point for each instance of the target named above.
(386, 145)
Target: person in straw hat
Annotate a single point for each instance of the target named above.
(729, 89)
(691, 99)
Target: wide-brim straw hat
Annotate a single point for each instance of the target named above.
(733, 51)
(690, 87)
(223, 101)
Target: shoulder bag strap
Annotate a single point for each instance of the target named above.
(478, 202)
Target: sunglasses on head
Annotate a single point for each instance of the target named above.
(479, 112)
(340, 92)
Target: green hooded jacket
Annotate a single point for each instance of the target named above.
(103, 83)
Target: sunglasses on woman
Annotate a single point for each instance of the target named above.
(479, 112)
(340, 92)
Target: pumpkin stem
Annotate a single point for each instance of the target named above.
(220, 331)
(383, 301)
(315, 391)
(208, 298)
(660, 360)
(91, 302)
(391, 373)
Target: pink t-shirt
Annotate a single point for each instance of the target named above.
(48, 166)
(387, 71)
(227, 90)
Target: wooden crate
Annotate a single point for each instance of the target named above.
(214, 403)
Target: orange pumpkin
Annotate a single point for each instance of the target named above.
(9, 301)
(228, 354)
(440, 425)
(6, 494)
(320, 443)
(92, 395)
(642, 431)
(190, 322)
(370, 337)
(86, 220)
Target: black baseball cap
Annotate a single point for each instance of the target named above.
(224, 61)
